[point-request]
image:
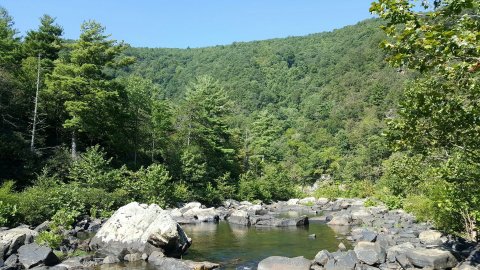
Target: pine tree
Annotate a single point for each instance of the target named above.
(81, 85)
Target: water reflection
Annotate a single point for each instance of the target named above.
(239, 247)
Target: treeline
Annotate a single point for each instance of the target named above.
(248, 121)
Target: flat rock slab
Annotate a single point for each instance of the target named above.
(284, 263)
(165, 263)
(432, 258)
(32, 255)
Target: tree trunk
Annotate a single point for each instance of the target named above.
(34, 125)
(74, 145)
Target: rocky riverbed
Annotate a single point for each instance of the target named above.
(381, 239)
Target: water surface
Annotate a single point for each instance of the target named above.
(239, 247)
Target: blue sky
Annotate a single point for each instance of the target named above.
(192, 23)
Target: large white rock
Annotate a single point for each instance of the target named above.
(140, 228)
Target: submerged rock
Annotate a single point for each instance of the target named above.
(140, 228)
(284, 263)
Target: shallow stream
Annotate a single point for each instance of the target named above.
(239, 247)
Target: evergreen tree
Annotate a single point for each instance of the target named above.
(80, 83)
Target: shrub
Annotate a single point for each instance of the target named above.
(62, 220)
(150, 185)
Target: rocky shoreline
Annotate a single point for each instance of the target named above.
(381, 239)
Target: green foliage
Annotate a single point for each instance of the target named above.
(437, 122)
(355, 189)
(370, 202)
(273, 184)
(150, 185)
(61, 221)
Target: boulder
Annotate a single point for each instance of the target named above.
(284, 263)
(341, 220)
(343, 261)
(394, 251)
(32, 255)
(190, 205)
(239, 217)
(292, 202)
(201, 265)
(202, 214)
(155, 256)
(307, 201)
(82, 262)
(140, 228)
(370, 253)
(322, 201)
(360, 213)
(11, 260)
(322, 257)
(269, 221)
(431, 258)
(165, 263)
(133, 257)
(431, 237)
(110, 260)
(11, 240)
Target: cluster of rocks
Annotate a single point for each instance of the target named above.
(382, 239)
(135, 232)
(239, 213)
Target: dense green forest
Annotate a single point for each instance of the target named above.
(90, 124)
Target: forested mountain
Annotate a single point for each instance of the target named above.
(316, 103)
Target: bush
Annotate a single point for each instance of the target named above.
(274, 184)
(150, 185)
(8, 205)
(61, 221)
(353, 189)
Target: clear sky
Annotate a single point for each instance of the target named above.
(192, 23)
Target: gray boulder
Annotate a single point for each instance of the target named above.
(239, 217)
(322, 257)
(32, 255)
(341, 220)
(343, 261)
(133, 257)
(370, 253)
(165, 263)
(11, 240)
(284, 263)
(110, 260)
(202, 214)
(270, 221)
(394, 251)
(140, 228)
(11, 260)
(432, 258)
